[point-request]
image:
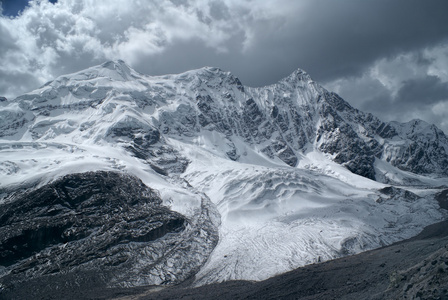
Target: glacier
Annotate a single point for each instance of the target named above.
(268, 179)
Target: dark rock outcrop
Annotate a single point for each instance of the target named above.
(97, 221)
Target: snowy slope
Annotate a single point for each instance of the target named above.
(289, 174)
(276, 218)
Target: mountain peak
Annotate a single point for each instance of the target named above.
(114, 64)
(115, 69)
(213, 69)
(208, 71)
(298, 75)
(212, 76)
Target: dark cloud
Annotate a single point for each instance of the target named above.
(333, 39)
(328, 39)
(424, 98)
(219, 11)
(369, 95)
(427, 90)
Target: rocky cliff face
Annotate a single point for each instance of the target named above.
(99, 222)
(295, 115)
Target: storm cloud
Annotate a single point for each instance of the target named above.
(386, 57)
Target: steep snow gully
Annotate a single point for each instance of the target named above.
(160, 179)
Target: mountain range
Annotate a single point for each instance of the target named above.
(155, 180)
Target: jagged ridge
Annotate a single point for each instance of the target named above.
(283, 120)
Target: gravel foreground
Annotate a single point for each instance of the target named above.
(416, 268)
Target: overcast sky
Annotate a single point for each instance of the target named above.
(388, 57)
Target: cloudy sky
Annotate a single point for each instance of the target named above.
(388, 57)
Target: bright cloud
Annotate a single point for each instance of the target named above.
(47, 39)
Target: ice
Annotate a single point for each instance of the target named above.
(275, 219)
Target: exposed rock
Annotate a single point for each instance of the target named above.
(99, 221)
(442, 199)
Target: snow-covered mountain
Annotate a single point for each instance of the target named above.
(241, 182)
